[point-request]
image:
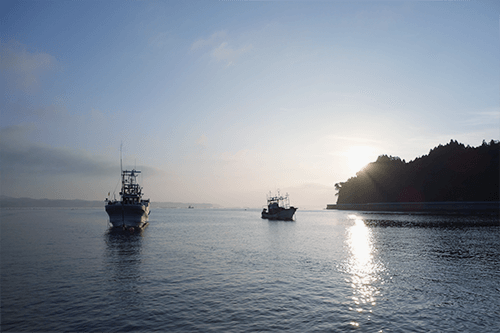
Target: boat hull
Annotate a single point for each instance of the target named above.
(128, 215)
(282, 215)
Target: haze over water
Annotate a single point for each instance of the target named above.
(229, 270)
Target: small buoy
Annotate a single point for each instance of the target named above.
(131, 229)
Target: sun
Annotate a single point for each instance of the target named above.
(359, 156)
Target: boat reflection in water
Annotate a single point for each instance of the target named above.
(122, 266)
(362, 267)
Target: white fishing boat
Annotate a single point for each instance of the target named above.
(278, 208)
(131, 211)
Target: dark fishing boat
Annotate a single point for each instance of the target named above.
(278, 208)
(131, 211)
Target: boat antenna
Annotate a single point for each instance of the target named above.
(121, 168)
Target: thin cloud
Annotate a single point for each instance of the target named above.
(41, 159)
(489, 116)
(211, 41)
(19, 156)
(24, 68)
(358, 140)
(41, 171)
(202, 141)
(220, 49)
(227, 54)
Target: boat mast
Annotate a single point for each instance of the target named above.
(121, 168)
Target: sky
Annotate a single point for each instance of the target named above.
(223, 101)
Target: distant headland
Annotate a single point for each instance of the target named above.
(450, 176)
(9, 202)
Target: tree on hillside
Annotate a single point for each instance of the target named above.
(453, 172)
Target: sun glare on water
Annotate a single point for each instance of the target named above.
(358, 157)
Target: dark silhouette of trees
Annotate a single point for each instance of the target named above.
(453, 172)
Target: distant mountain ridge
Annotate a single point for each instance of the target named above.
(453, 172)
(10, 202)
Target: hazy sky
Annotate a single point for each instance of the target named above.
(223, 101)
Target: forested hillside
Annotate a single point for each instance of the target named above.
(453, 172)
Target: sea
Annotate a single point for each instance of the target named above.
(228, 270)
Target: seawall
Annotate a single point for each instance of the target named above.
(451, 207)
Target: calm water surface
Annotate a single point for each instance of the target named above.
(228, 270)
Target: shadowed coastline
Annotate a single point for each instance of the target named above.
(460, 207)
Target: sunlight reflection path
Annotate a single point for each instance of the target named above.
(363, 269)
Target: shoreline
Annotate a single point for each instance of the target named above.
(450, 206)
